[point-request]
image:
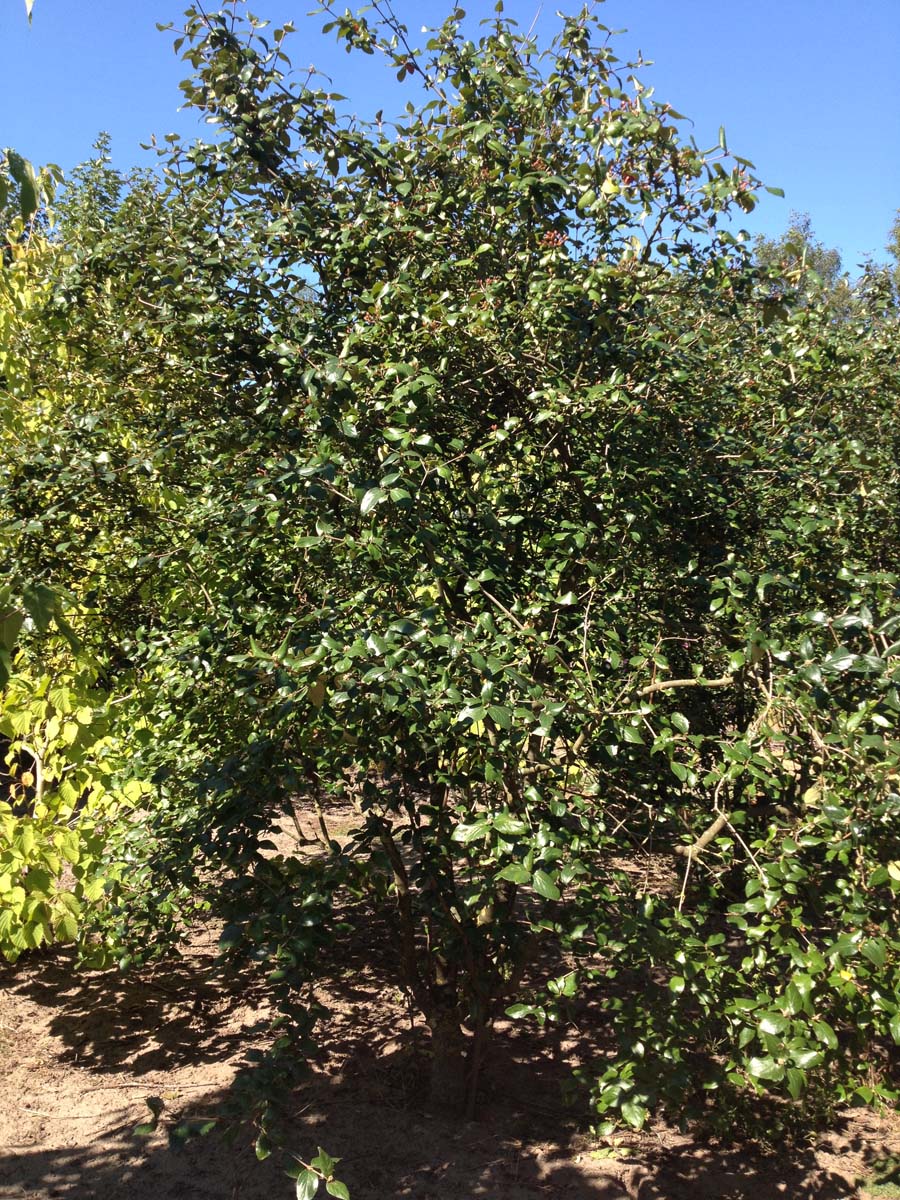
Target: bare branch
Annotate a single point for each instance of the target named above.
(666, 685)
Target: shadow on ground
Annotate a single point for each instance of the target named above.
(123, 1037)
(146, 1021)
(392, 1152)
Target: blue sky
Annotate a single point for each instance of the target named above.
(807, 89)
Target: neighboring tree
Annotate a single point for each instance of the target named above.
(64, 753)
(800, 265)
(530, 534)
(893, 249)
(798, 251)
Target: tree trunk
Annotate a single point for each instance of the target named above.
(449, 1074)
(477, 1049)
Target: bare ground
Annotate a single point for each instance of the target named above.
(80, 1053)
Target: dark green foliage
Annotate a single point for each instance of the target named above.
(475, 474)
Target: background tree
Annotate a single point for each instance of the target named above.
(799, 264)
(893, 248)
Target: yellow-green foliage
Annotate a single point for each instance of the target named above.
(62, 796)
(64, 779)
(25, 280)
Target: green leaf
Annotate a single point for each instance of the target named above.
(501, 717)
(840, 659)
(468, 833)
(875, 951)
(544, 886)
(28, 197)
(24, 174)
(826, 1034)
(93, 889)
(66, 927)
(324, 1163)
(373, 497)
(41, 603)
(307, 1185)
(470, 713)
(634, 1113)
(773, 1023)
(794, 1000)
(506, 823)
(9, 629)
(805, 1059)
(796, 1082)
(515, 873)
(334, 1187)
(765, 1068)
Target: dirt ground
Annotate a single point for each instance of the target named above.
(81, 1052)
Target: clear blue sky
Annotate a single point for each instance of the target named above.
(807, 89)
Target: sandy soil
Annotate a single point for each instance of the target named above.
(80, 1053)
